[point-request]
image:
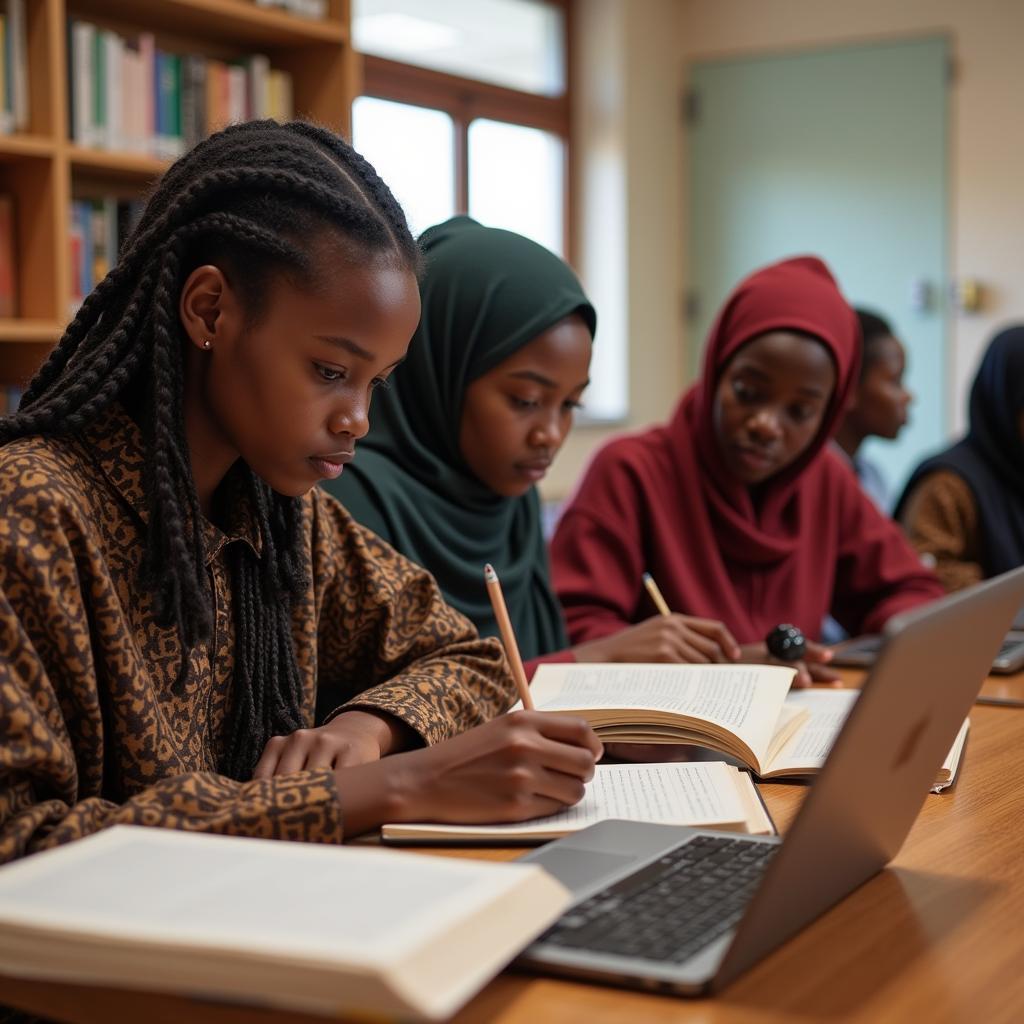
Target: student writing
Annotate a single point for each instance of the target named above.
(471, 423)
(177, 598)
(736, 506)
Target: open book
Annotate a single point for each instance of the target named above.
(745, 711)
(322, 929)
(710, 794)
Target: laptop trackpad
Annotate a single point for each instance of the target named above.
(578, 869)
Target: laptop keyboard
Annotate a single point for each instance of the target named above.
(672, 908)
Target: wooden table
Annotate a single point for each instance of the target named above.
(937, 937)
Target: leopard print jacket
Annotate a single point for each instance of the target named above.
(93, 732)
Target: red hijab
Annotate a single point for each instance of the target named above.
(797, 295)
(804, 542)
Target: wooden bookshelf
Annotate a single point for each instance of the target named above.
(44, 169)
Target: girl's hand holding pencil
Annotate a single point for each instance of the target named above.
(665, 637)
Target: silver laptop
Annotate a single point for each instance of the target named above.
(861, 651)
(685, 911)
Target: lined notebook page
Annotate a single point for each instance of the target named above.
(686, 793)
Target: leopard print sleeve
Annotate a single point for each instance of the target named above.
(84, 740)
(388, 641)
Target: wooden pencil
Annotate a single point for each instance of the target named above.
(656, 595)
(508, 637)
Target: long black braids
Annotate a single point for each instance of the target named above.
(252, 196)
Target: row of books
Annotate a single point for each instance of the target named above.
(10, 398)
(98, 230)
(13, 67)
(127, 94)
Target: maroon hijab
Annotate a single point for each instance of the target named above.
(802, 543)
(799, 295)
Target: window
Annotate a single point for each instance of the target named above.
(465, 109)
(467, 99)
(518, 44)
(386, 133)
(516, 177)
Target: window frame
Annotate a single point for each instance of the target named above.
(466, 99)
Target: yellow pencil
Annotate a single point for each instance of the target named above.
(508, 638)
(656, 597)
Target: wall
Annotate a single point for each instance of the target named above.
(628, 164)
(631, 67)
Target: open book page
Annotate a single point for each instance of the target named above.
(826, 712)
(807, 748)
(734, 708)
(357, 933)
(691, 793)
(355, 906)
(950, 767)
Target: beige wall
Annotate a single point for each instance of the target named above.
(628, 141)
(654, 44)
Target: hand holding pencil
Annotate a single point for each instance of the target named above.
(665, 637)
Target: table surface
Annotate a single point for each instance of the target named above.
(937, 936)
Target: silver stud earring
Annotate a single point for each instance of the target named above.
(206, 344)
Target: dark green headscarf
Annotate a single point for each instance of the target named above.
(486, 293)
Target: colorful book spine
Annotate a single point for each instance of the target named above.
(147, 76)
(8, 265)
(80, 80)
(10, 399)
(16, 57)
(98, 88)
(113, 55)
(6, 114)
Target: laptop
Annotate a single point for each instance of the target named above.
(685, 911)
(861, 651)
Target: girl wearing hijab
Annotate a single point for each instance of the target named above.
(736, 506)
(965, 506)
(472, 420)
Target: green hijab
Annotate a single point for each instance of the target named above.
(486, 293)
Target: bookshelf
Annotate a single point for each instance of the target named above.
(44, 169)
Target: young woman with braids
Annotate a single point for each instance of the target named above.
(179, 604)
